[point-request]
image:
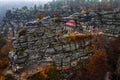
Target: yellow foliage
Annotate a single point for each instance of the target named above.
(2, 78)
(55, 15)
(89, 48)
(76, 38)
(59, 33)
(43, 74)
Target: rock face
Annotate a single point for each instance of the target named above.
(40, 45)
(29, 48)
(43, 43)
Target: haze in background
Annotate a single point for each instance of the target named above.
(8, 4)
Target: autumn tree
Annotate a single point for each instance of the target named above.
(4, 63)
(99, 42)
(89, 48)
(6, 49)
(40, 16)
(41, 75)
(97, 66)
(22, 32)
(113, 52)
(2, 77)
(48, 73)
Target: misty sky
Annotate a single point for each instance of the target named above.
(19, 3)
(8, 4)
(24, 0)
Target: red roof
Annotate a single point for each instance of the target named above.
(70, 23)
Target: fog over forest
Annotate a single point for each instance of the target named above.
(4, 5)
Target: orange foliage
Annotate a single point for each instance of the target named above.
(43, 74)
(2, 77)
(55, 15)
(89, 48)
(4, 63)
(45, 71)
(6, 49)
(97, 66)
(113, 52)
(22, 31)
(40, 16)
(99, 42)
(76, 38)
(48, 73)
(59, 33)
